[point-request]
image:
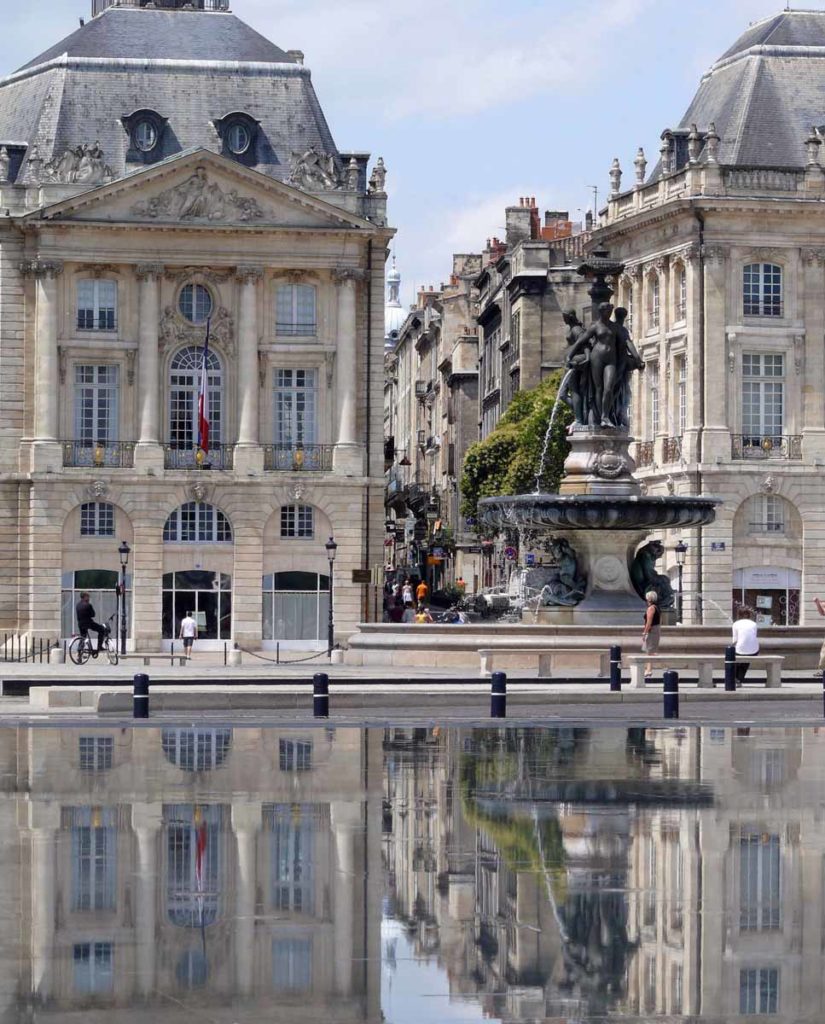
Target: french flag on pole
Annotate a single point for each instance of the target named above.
(203, 397)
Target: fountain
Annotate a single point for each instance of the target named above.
(595, 528)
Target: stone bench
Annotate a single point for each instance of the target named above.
(703, 663)
(545, 657)
(147, 659)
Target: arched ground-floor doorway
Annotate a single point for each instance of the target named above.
(101, 585)
(295, 609)
(771, 591)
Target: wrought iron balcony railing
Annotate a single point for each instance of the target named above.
(766, 446)
(219, 456)
(672, 449)
(292, 458)
(99, 454)
(644, 453)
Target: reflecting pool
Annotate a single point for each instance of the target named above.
(232, 875)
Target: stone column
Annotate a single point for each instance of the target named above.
(812, 357)
(246, 821)
(692, 426)
(146, 821)
(717, 427)
(346, 821)
(349, 454)
(148, 452)
(248, 453)
(44, 823)
(46, 450)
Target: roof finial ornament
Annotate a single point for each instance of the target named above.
(615, 177)
(812, 148)
(640, 163)
(664, 153)
(712, 144)
(694, 144)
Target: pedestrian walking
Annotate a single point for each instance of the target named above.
(407, 592)
(423, 616)
(188, 633)
(422, 592)
(409, 612)
(652, 631)
(746, 639)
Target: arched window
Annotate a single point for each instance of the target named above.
(653, 302)
(295, 310)
(97, 519)
(184, 388)
(196, 750)
(766, 514)
(196, 522)
(762, 289)
(195, 303)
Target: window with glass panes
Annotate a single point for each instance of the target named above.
(196, 522)
(297, 521)
(681, 293)
(96, 392)
(96, 305)
(296, 403)
(195, 303)
(292, 829)
(762, 289)
(95, 753)
(93, 968)
(184, 389)
(295, 310)
(196, 750)
(94, 857)
(653, 301)
(194, 863)
(763, 396)
(760, 881)
(681, 393)
(292, 964)
(766, 514)
(97, 519)
(759, 991)
(295, 755)
(653, 385)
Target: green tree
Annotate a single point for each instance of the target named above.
(507, 461)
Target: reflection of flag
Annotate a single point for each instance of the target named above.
(200, 863)
(203, 397)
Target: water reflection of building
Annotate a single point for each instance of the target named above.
(190, 868)
(630, 872)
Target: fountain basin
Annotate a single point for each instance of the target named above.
(558, 512)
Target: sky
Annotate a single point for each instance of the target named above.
(473, 104)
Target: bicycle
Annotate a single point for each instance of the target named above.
(81, 649)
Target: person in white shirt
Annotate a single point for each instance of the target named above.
(188, 633)
(746, 640)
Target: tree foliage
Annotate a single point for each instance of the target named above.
(507, 461)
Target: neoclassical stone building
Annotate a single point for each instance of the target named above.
(724, 246)
(160, 168)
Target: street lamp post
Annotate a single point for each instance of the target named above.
(331, 548)
(680, 551)
(123, 551)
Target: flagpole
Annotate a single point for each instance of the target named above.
(203, 396)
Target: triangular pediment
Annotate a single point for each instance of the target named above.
(201, 189)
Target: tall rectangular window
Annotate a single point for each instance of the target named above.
(295, 310)
(96, 305)
(93, 967)
(653, 302)
(681, 293)
(292, 964)
(681, 393)
(759, 991)
(763, 396)
(96, 393)
(292, 849)
(762, 289)
(653, 371)
(94, 859)
(760, 881)
(296, 404)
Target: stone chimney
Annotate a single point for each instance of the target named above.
(518, 220)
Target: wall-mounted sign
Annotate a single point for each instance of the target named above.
(717, 545)
(529, 558)
(361, 576)
(509, 553)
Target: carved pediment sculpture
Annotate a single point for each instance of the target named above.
(313, 171)
(199, 199)
(174, 330)
(81, 165)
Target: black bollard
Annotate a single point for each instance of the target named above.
(498, 695)
(615, 668)
(671, 694)
(320, 695)
(140, 696)
(730, 668)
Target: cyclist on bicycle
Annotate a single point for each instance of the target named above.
(86, 621)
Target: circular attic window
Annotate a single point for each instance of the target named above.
(195, 303)
(145, 135)
(238, 139)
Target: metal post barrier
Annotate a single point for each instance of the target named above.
(671, 694)
(278, 653)
(730, 668)
(320, 695)
(498, 695)
(140, 696)
(615, 668)
(224, 653)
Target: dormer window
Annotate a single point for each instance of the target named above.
(145, 128)
(238, 132)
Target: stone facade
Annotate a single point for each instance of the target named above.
(103, 291)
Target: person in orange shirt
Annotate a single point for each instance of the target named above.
(422, 592)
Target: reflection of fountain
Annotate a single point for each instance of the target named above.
(595, 527)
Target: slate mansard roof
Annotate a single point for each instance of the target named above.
(766, 92)
(192, 68)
